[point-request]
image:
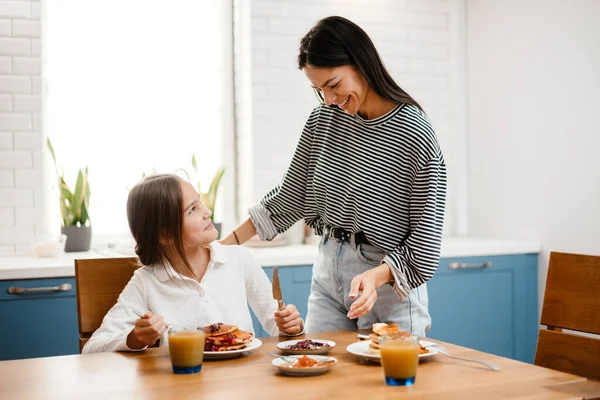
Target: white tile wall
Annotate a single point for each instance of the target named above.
(20, 113)
(420, 41)
(5, 65)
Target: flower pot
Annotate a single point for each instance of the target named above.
(218, 228)
(78, 237)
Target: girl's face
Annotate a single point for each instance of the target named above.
(198, 229)
(342, 86)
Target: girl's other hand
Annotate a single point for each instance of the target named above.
(288, 320)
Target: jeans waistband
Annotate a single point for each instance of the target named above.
(346, 236)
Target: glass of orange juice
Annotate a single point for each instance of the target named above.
(186, 349)
(399, 359)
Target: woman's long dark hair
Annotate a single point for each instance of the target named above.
(335, 42)
(155, 215)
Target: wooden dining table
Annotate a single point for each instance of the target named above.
(148, 375)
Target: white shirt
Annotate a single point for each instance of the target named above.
(233, 279)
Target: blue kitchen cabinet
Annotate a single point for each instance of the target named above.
(38, 324)
(492, 309)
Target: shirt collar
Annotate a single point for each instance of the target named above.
(218, 256)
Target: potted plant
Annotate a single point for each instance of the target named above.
(74, 206)
(209, 197)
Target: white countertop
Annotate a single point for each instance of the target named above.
(31, 267)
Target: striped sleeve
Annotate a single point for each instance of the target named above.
(416, 260)
(286, 203)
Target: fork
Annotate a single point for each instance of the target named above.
(284, 358)
(490, 365)
(170, 326)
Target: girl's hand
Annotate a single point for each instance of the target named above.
(366, 284)
(146, 332)
(288, 320)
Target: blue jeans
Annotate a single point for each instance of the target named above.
(328, 304)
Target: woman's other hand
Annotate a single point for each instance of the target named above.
(366, 284)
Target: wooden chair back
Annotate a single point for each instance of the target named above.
(99, 281)
(571, 301)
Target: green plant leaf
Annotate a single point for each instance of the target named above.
(74, 206)
(79, 195)
(84, 214)
(194, 163)
(51, 149)
(65, 192)
(70, 219)
(214, 188)
(214, 184)
(64, 211)
(187, 175)
(86, 199)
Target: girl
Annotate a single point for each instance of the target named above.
(188, 279)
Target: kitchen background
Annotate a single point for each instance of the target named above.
(511, 87)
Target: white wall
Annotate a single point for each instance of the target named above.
(21, 194)
(420, 41)
(533, 90)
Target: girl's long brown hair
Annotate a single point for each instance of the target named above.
(155, 216)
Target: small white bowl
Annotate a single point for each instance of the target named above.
(286, 367)
(49, 246)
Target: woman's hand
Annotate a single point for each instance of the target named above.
(146, 332)
(366, 284)
(288, 320)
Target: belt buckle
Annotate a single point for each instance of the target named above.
(346, 236)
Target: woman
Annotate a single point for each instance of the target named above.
(368, 174)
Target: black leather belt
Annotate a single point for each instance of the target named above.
(346, 236)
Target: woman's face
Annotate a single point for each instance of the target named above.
(343, 86)
(198, 229)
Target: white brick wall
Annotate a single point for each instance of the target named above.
(20, 125)
(420, 41)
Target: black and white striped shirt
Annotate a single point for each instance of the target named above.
(385, 177)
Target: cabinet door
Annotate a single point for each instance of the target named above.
(295, 288)
(38, 324)
(492, 309)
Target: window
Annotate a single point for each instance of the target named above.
(132, 86)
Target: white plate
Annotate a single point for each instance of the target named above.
(219, 355)
(323, 350)
(284, 366)
(362, 349)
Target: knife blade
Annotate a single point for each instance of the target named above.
(277, 289)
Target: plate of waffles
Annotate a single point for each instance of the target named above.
(227, 341)
(370, 348)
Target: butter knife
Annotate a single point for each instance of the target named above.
(277, 289)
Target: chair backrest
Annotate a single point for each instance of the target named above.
(100, 281)
(571, 301)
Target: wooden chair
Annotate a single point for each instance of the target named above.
(571, 301)
(99, 283)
